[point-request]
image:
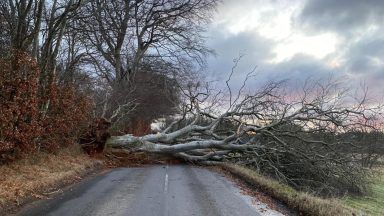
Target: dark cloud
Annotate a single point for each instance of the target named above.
(254, 48)
(363, 62)
(363, 46)
(359, 53)
(342, 16)
(366, 56)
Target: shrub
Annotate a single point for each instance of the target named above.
(25, 127)
(67, 117)
(19, 114)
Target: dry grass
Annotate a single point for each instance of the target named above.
(41, 173)
(305, 203)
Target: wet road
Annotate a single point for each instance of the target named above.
(149, 191)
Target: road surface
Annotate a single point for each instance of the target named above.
(150, 191)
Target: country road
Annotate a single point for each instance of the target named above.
(150, 191)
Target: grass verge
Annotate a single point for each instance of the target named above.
(304, 203)
(39, 175)
(372, 204)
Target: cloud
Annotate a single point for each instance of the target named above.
(342, 16)
(267, 18)
(364, 61)
(255, 49)
(300, 39)
(366, 56)
(299, 68)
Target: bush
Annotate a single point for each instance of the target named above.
(19, 114)
(24, 126)
(68, 116)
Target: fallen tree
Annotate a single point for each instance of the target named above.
(285, 131)
(259, 114)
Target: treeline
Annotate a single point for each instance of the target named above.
(65, 64)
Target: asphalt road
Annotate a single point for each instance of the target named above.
(149, 191)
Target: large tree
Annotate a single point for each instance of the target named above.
(120, 34)
(125, 40)
(272, 130)
(37, 27)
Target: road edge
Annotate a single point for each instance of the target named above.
(303, 203)
(60, 186)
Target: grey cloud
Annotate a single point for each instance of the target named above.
(256, 50)
(343, 16)
(299, 68)
(294, 72)
(360, 49)
(364, 62)
(366, 56)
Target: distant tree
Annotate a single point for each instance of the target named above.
(154, 94)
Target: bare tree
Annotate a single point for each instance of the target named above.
(135, 54)
(23, 19)
(268, 125)
(38, 27)
(258, 113)
(119, 34)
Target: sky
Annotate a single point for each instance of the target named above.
(300, 39)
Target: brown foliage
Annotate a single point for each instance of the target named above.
(67, 117)
(26, 126)
(19, 113)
